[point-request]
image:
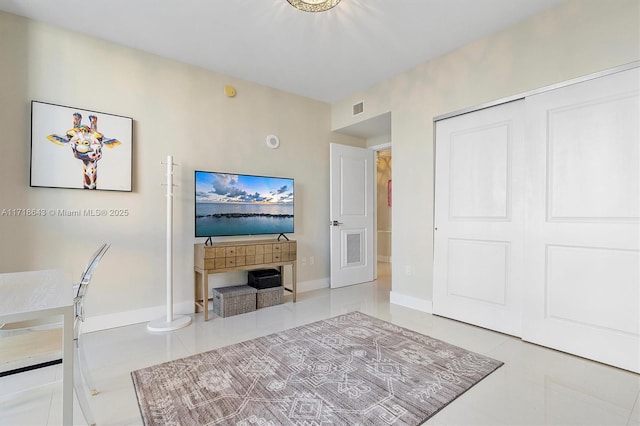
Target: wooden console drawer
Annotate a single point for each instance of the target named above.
(240, 254)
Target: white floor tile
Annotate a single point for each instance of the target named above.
(634, 418)
(536, 386)
(28, 407)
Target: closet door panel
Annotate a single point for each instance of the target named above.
(592, 156)
(478, 236)
(582, 257)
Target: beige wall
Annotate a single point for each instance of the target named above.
(177, 109)
(578, 38)
(181, 110)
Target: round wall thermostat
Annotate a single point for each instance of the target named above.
(273, 142)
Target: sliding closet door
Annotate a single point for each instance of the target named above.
(582, 259)
(478, 218)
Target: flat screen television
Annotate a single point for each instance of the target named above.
(236, 204)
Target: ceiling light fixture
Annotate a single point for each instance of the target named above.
(313, 5)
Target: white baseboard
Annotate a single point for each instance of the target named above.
(313, 285)
(121, 319)
(411, 302)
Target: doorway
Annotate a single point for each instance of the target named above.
(384, 201)
(376, 132)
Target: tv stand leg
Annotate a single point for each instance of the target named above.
(294, 281)
(205, 294)
(201, 292)
(196, 291)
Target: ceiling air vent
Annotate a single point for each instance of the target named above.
(358, 108)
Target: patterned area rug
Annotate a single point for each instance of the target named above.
(348, 370)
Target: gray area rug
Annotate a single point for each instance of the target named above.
(351, 370)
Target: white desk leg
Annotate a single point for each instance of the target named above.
(67, 367)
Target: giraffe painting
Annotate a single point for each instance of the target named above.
(86, 143)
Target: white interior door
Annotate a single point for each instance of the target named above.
(352, 209)
(582, 275)
(478, 218)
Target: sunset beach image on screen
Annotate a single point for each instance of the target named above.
(238, 204)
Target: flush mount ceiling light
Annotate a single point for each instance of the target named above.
(313, 5)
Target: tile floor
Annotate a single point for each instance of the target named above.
(536, 386)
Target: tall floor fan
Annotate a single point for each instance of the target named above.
(171, 322)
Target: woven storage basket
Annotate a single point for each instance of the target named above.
(234, 300)
(269, 297)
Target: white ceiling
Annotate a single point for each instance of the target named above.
(325, 56)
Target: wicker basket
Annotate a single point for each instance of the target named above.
(234, 300)
(269, 297)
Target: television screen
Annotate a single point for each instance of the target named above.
(234, 204)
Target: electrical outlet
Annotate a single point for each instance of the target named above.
(312, 260)
(407, 270)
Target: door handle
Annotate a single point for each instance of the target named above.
(335, 223)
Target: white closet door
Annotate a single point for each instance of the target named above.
(478, 218)
(581, 289)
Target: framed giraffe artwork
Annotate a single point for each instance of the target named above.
(79, 148)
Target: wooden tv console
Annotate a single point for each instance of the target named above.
(239, 256)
